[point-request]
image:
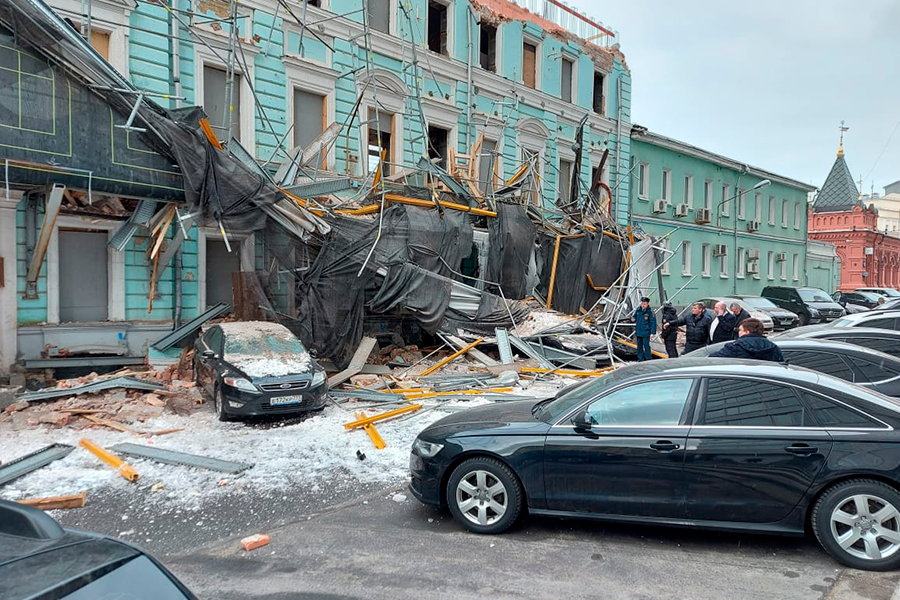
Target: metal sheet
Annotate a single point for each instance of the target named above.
(526, 349)
(177, 335)
(91, 388)
(506, 356)
(172, 457)
(86, 361)
(141, 216)
(32, 462)
(320, 187)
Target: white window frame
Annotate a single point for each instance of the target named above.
(686, 258)
(726, 194)
(689, 190)
(203, 56)
(391, 95)
(450, 27)
(705, 259)
(708, 195)
(758, 208)
(666, 186)
(723, 264)
(785, 216)
(110, 18)
(798, 215)
(784, 270)
(770, 271)
(644, 181)
(795, 266)
(772, 209)
(115, 271)
(246, 247)
(741, 204)
(741, 267)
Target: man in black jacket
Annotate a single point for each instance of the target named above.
(722, 327)
(751, 344)
(740, 315)
(696, 327)
(670, 335)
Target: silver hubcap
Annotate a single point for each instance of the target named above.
(866, 527)
(481, 498)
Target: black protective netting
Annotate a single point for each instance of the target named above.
(574, 261)
(512, 236)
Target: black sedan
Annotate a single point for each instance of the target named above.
(862, 366)
(737, 445)
(882, 340)
(252, 368)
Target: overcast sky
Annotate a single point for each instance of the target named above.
(766, 82)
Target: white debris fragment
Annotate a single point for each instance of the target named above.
(399, 498)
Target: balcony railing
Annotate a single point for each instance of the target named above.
(572, 20)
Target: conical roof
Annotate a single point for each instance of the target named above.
(839, 192)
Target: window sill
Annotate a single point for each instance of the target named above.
(644, 198)
(705, 275)
(723, 276)
(683, 274)
(739, 276)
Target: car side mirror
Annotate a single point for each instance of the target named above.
(208, 354)
(581, 421)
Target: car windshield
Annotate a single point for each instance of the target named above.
(264, 349)
(890, 293)
(758, 302)
(814, 295)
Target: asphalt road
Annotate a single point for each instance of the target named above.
(375, 547)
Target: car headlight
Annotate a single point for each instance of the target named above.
(426, 449)
(318, 378)
(813, 312)
(241, 384)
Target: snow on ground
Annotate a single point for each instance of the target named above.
(284, 454)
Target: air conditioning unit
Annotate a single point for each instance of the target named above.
(702, 216)
(781, 257)
(752, 226)
(681, 210)
(720, 250)
(753, 267)
(753, 254)
(660, 206)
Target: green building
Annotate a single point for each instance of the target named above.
(724, 227)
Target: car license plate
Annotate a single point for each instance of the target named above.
(283, 400)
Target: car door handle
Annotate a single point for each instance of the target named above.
(664, 446)
(801, 449)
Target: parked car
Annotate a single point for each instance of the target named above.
(888, 293)
(856, 364)
(866, 300)
(707, 443)
(882, 340)
(40, 559)
(767, 322)
(883, 319)
(781, 319)
(812, 305)
(889, 305)
(256, 368)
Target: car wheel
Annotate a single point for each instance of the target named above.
(484, 495)
(858, 523)
(804, 319)
(219, 404)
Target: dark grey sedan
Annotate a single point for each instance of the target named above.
(882, 340)
(867, 368)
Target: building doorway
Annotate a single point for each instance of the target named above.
(83, 276)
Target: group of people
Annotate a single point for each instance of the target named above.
(733, 324)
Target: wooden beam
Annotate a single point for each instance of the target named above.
(450, 358)
(56, 502)
(121, 467)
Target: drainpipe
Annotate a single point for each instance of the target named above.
(473, 18)
(176, 82)
(619, 147)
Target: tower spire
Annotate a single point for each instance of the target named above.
(842, 129)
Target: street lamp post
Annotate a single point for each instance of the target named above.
(760, 185)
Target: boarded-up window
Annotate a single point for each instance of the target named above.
(487, 166)
(309, 117)
(437, 27)
(565, 180)
(599, 100)
(566, 80)
(100, 42)
(437, 144)
(380, 133)
(214, 84)
(380, 15)
(529, 64)
(488, 47)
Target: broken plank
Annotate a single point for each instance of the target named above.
(165, 431)
(121, 467)
(112, 425)
(56, 502)
(366, 345)
(82, 411)
(173, 457)
(32, 462)
(381, 417)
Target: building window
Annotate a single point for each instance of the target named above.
(783, 270)
(726, 195)
(770, 274)
(771, 210)
(784, 213)
(798, 215)
(599, 100)
(566, 80)
(438, 140)
(663, 244)
(533, 157)
(741, 200)
(707, 195)
(689, 190)
(308, 106)
(795, 267)
(667, 185)
(740, 268)
(214, 84)
(488, 166)
(565, 180)
(380, 134)
(529, 64)
(723, 263)
(488, 47)
(705, 260)
(758, 208)
(686, 258)
(644, 181)
(380, 15)
(437, 27)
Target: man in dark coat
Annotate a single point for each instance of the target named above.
(670, 335)
(740, 315)
(696, 327)
(722, 327)
(751, 344)
(644, 326)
